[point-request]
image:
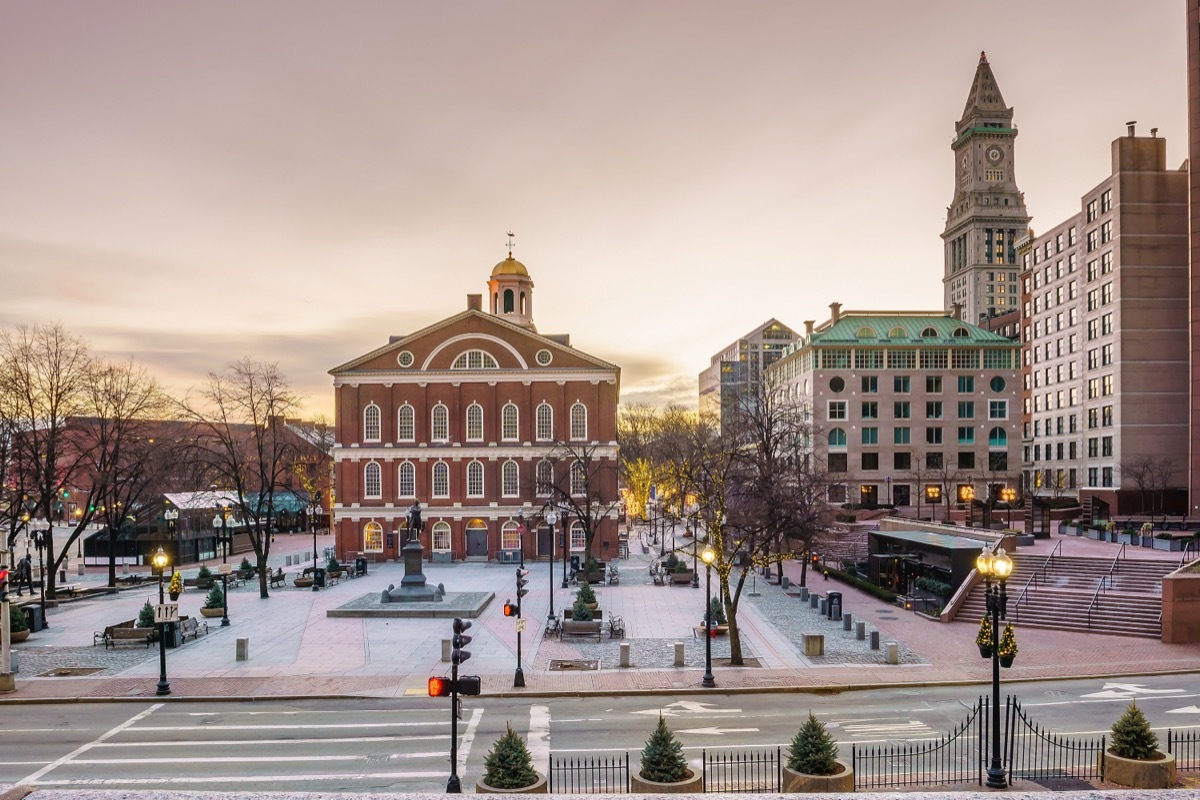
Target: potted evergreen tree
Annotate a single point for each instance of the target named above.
(175, 587)
(508, 768)
(214, 603)
(588, 595)
(720, 625)
(1008, 646)
(1133, 759)
(18, 626)
(812, 764)
(145, 621)
(984, 637)
(664, 770)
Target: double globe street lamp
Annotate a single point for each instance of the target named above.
(995, 567)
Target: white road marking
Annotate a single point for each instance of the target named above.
(245, 742)
(198, 779)
(468, 738)
(325, 726)
(1125, 690)
(35, 777)
(1184, 710)
(538, 739)
(714, 731)
(688, 707)
(910, 727)
(216, 759)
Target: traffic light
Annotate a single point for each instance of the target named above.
(460, 640)
(3, 585)
(522, 582)
(468, 684)
(510, 610)
(816, 559)
(439, 687)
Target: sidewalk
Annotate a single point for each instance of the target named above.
(297, 651)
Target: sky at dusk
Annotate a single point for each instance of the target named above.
(190, 183)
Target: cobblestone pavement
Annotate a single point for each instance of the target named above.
(643, 653)
(37, 661)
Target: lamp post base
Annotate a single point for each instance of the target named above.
(163, 688)
(519, 678)
(996, 779)
(453, 786)
(708, 681)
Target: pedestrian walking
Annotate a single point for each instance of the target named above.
(24, 575)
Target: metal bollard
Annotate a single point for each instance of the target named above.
(874, 640)
(679, 654)
(625, 654)
(846, 621)
(860, 631)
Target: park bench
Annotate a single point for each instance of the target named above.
(616, 627)
(276, 578)
(198, 583)
(128, 636)
(100, 636)
(573, 628)
(190, 626)
(130, 580)
(332, 576)
(68, 589)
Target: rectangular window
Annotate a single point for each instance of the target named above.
(870, 409)
(1106, 324)
(966, 435)
(870, 435)
(935, 359)
(1091, 211)
(998, 461)
(901, 384)
(837, 462)
(1106, 417)
(837, 409)
(1071, 236)
(933, 384)
(966, 384)
(933, 409)
(902, 436)
(902, 359)
(1093, 476)
(961, 358)
(1106, 294)
(1093, 270)
(966, 460)
(966, 409)
(902, 409)
(1106, 446)
(1106, 263)
(1092, 240)
(998, 409)
(1106, 201)
(902, 461)
(870, 384)
(1106, 232)
(1106, 476)
(868, 359)
(934, 460)
(1106, 386)
(870, 461)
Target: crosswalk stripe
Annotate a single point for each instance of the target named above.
(244, 742)
(198, 779)
(313, 726)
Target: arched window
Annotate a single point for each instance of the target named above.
(865, 332)
(578, 537)
(578, 479)
(509, 416)
(896, 333)
(578, 421)
(510, 536)
(545, 478)
(929, 333)
(545, 422)
(372, 481)
(475, 359)
(406, 474)
(474, 423)
(373, 537)
(441, 536)
(510, 479)
(406, 426)
(440, 425)
(509, 305)
(475, 479)
(441, 479)
(837, 438)
(997, 437)
(960, 333)
(371, 423)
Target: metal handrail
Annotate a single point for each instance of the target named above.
(1103, 580)
(1032, 580)
(1186, 547)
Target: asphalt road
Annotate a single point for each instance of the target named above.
(403, 745)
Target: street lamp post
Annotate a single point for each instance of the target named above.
(695, 543)
(551, 520)
(997, 567)
(39, 543)
(160, 560)
(312, 517)
(1008, 495)
(708, 681)
(565, 541)
(933, 494)
(220, 527)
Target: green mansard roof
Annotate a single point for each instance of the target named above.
(875, 330)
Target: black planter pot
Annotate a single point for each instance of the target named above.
(985, 651)
(1007, 661)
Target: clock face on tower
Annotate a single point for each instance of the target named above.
(994, 154)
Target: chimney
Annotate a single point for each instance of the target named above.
(1154, 133)
(808, 326)
(1131, 125)
(956, 310)
(835, 312)
(475, 302)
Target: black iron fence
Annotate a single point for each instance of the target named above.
(1033, 753)
(589, 775)
(736, 771)
(1185, 746)
(957, 757)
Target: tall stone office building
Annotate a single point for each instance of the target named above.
(987, 216)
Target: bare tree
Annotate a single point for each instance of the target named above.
(585, 483)
(1152, 476)
(243, 443)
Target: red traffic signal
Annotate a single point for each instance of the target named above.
(439, 687)
(3, 585)
(510, 610)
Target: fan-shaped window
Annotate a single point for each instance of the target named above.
(474, 423)
(509, 417)
(475, 479)
(545, 478)
(961, 333)
(440, 427)
(371, 423)
(441, 479)
(406, 475)
(929, 333)
(866, 332)
(406, 428)
(579, 479)
(510, 479)
(897, 333)
(997, 437)
(475, 359)
(545, 422)
(579, 421)
(372, 481)
(441, 536)
(837, 438)
(373, 537)
(510, 536)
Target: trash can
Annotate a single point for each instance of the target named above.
(174, 634)
(360, 565)
(33, 618)
(833, 608)
(319, 577)
(574, 563)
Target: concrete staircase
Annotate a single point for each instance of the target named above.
(1059, 598)
(839, 548)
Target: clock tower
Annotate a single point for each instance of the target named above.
(987, 216)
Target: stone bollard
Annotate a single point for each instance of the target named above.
(860, 630)
(814, 644)
(785, 582)
(803, 592)
(14, 662)
(625, 654)
(124, 568)
(679, 654)
(813, 600)
(243, 649)
(874, 640)
(447, 649)
(81, 570)
(287, 561)
(824, 607)
(893, 653)
(846, 621)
